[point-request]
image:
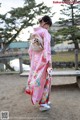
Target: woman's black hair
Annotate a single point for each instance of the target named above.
(46, 19)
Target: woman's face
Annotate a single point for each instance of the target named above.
(44, 25)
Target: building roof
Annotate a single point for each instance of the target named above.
(20, 44)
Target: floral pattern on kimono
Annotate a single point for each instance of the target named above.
(39, 82)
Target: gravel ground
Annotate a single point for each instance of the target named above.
(65, 99)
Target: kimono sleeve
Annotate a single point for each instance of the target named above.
(30, 52)
(47, 46)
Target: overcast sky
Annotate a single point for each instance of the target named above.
(7, 4)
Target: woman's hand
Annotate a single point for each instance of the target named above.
(50, 64)
(49, 70)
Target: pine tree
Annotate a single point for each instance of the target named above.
(71, 24)
(20, 18)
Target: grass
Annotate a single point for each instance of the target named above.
(64, 57)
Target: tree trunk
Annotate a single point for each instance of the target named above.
(12, 39)
(76, 45)
(6, 64)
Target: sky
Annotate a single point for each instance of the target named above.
(8, 4)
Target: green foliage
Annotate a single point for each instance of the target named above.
(70, 24)
(20, 18)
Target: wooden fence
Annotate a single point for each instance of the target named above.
(20, 54)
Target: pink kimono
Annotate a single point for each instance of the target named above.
(39, 82)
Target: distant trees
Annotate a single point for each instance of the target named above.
(70, 24)
(12, 22)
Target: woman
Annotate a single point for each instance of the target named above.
(39, 82)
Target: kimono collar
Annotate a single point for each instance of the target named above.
(37, 28)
